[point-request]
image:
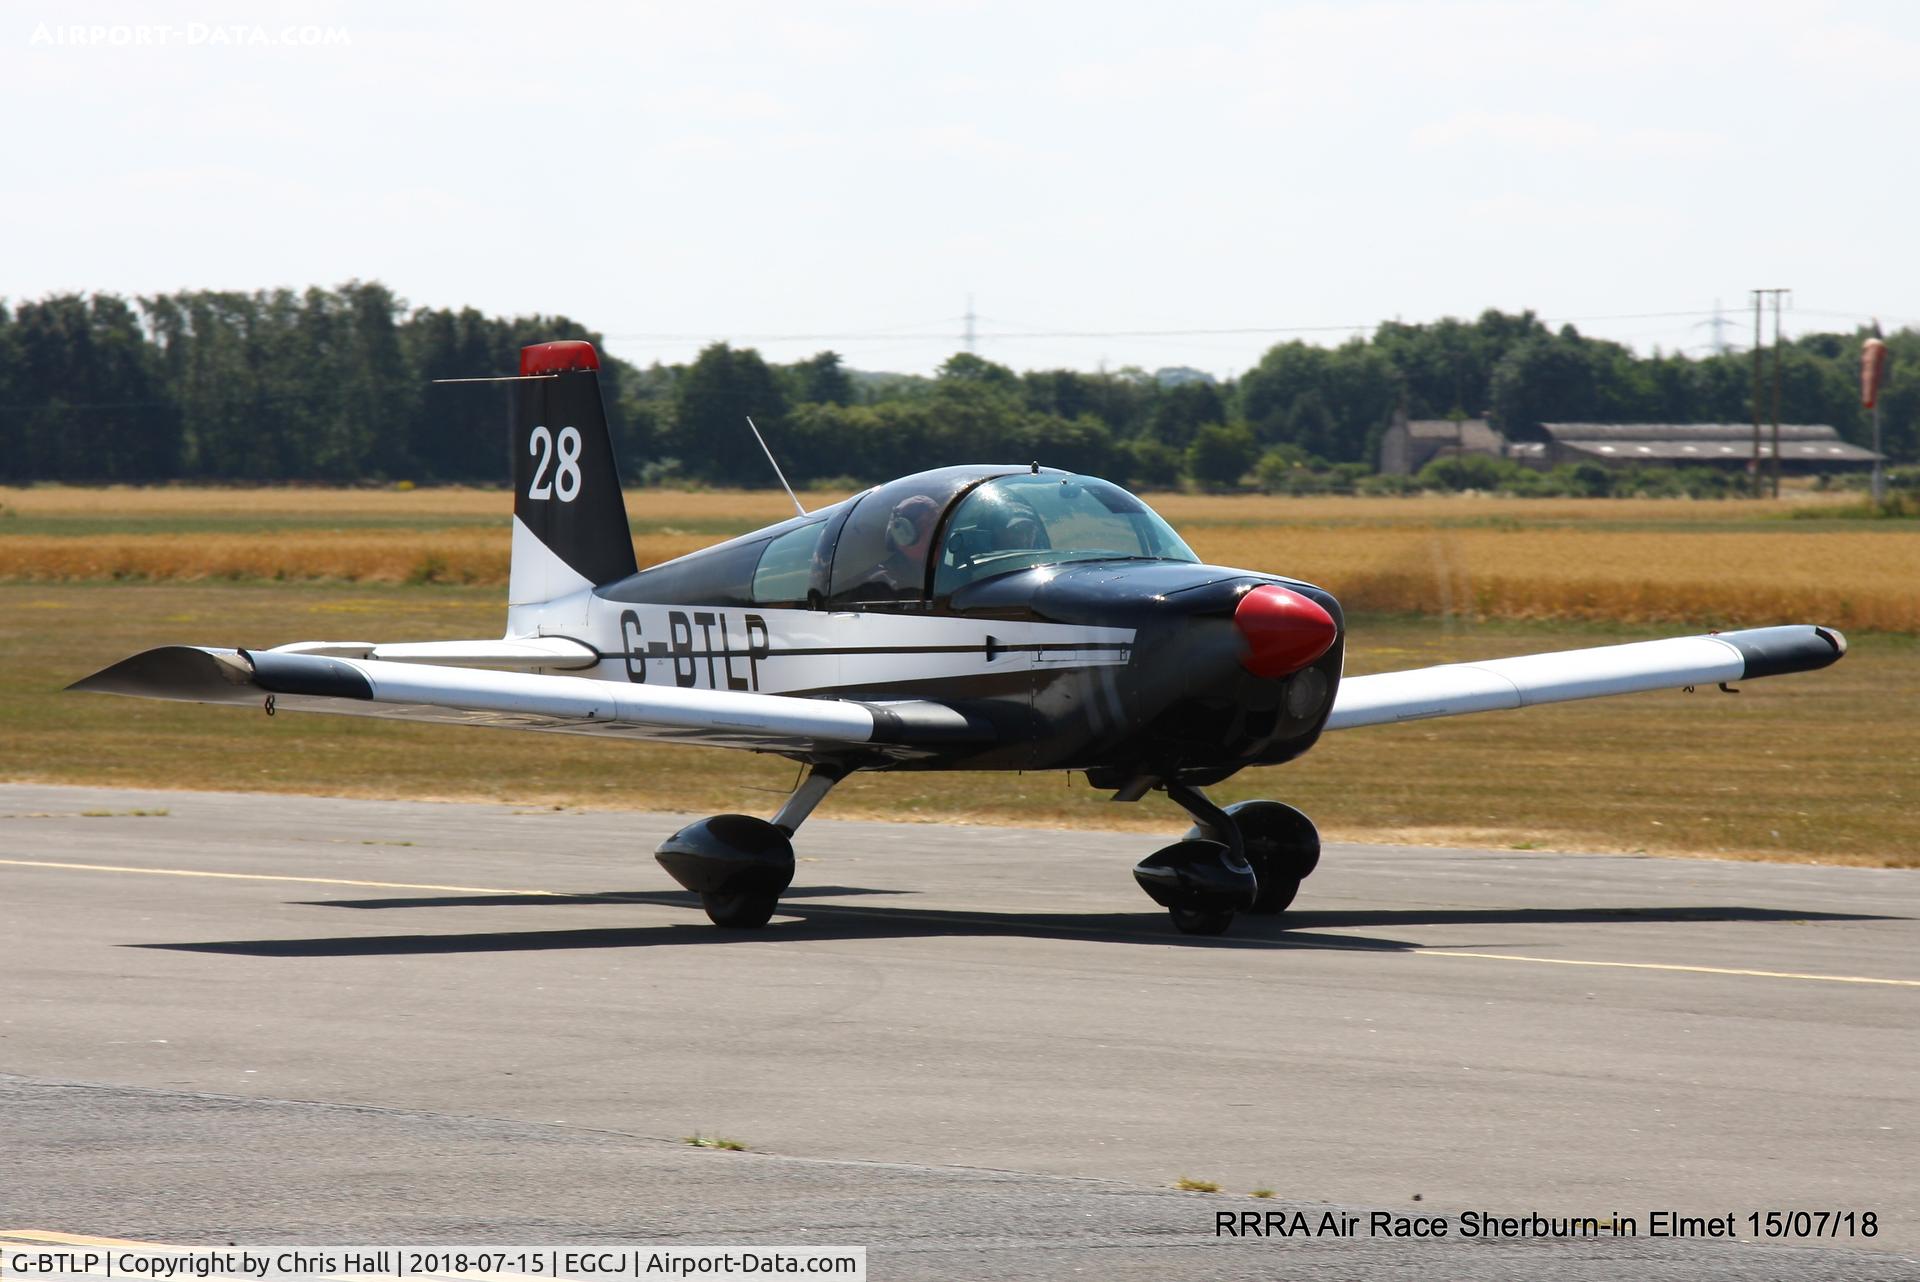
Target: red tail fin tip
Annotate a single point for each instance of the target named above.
(561, 357)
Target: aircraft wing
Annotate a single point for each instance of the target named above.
(1453, 689)
(414, 691)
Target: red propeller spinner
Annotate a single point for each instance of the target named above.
(1284, 630)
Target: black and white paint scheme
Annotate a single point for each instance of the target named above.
(967, 618)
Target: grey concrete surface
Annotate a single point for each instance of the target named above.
(980, 1052)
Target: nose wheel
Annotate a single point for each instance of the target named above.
(1282, 846)
(1250, 857)
(1202, 883)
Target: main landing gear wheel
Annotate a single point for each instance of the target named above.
(741, 909)
(740, 865)
(737, 864)
(1201, 921)
(1281, 844)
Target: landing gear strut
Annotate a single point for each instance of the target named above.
(739, 865)
(1249, 857)
(1282, 846)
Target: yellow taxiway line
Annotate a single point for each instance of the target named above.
(305, 881)
(1696, 970)
(40, 1237)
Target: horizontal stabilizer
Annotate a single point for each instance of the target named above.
(514, 654)
(1454, 689)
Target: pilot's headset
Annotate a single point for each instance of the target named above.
(911, 524)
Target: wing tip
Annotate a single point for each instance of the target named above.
(1772, 652)
(184, 672)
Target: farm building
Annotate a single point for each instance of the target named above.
(1408, 446)
(1804, 447)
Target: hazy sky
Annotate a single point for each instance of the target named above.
(671, 174)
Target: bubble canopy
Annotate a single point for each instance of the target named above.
(1017, 522)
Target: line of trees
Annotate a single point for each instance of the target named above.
(337, 385)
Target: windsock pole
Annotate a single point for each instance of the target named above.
(1879, 476)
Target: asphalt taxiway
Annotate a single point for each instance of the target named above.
(978, 1051)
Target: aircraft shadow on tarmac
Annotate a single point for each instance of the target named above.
(665, 898)
(804, 921)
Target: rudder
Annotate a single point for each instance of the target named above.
(569, 518)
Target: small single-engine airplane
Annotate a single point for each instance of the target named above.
(965, 618)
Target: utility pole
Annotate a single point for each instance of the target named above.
(970, 318)
(1754, 464)
(1777, 358)
(1758, 479)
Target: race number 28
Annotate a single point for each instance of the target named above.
(566, 478)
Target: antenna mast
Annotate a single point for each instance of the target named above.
(776, 467)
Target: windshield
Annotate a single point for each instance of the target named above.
(1021, 521)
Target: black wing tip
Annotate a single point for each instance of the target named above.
(182, 672)
(197, 675)
(1772, 652)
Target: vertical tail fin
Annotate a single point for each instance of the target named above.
(569, 519)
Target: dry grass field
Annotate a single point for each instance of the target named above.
(1723, 564)
(1825, 766)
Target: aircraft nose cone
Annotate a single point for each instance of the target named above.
(1284, 630)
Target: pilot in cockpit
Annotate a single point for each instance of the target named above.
(1019, 529)
(909, 531)
(993, 529)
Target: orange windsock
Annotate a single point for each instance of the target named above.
(1874, 358)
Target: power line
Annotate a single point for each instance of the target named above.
(970, 333)
(1858, 316)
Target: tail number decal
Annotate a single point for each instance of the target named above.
(566, 477)
(693, 660)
